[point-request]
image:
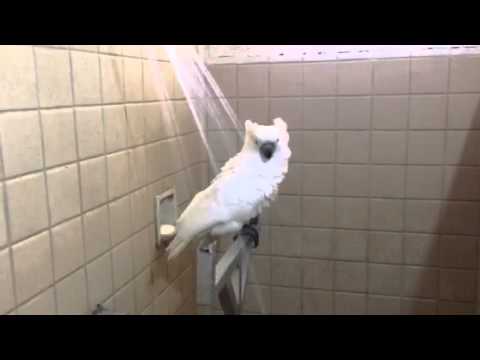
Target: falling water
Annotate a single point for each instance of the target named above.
(206, 101)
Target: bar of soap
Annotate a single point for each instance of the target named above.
(167, 232)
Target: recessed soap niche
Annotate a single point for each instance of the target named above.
(165, 217)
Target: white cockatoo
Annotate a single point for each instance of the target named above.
(246, 184)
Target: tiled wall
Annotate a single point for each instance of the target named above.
(380, 212)
(89, 134)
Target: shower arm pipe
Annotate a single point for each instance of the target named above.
(226, 280)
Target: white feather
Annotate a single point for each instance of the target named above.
(245, 185)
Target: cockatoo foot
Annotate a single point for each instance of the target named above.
(251, 233)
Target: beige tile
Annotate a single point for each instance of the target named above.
(111, 69)
(91, 48)
(158, 120)
(53, 76)
(72, 294)
(93, 182)
(455, 308)
(286, 79)
(68, 247)
(384, 279)
(115, 127)
(318, 179)
(156, 52)
(424, 182)
(320, 78)
(354, 77)
(135, 124)
(253, 80)
(226, 78)
(319, 146)
(353, 113)
(420, 282)
(90, 136)
(389, 147)
(350, 276)
(63, 192)
(215, 122)
(318, 274)
(42, 304)
(318, 211)
(7, 300)
(421, 249)
(425, 147)
(142, 212)
(317, 302)
(353, 146)
(259, 271)
(386, 214)
(457, 285)
(143, 249)
(292, 184)
(317, 243)
(286, 271)
(99, 280)
(58, 136)
(97, 238)
(111, 49)
(137, 167)
(122, 264)
(350, 245)
(21, 128)
(383, 305)
(124, 300)
(352, 180)
(429, 75)
(286, 241)
(462, 183)
(418, 307)
(350, 304)
(460, 217)
(184, 118)
(464, 111)
(387, 181)
(32, 264)
(144, 291)
(27, 206)
(463, 148)
(120, 219)
(390, 112)
(133, 79)
(255, 109)
(319, 113)
(423, 215)
(223, 144)
(428, 112)
(464, 74)
(458, 251)
(286, 301)
(17, 77)
(118, 173)
(160, 275)
(158, 81)
(3, 219)
(351, 213)
(385, 247)
(258, 299)
(286, 210)
(297, 146)
(86, 78)
(391, 76)
(289, 109)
